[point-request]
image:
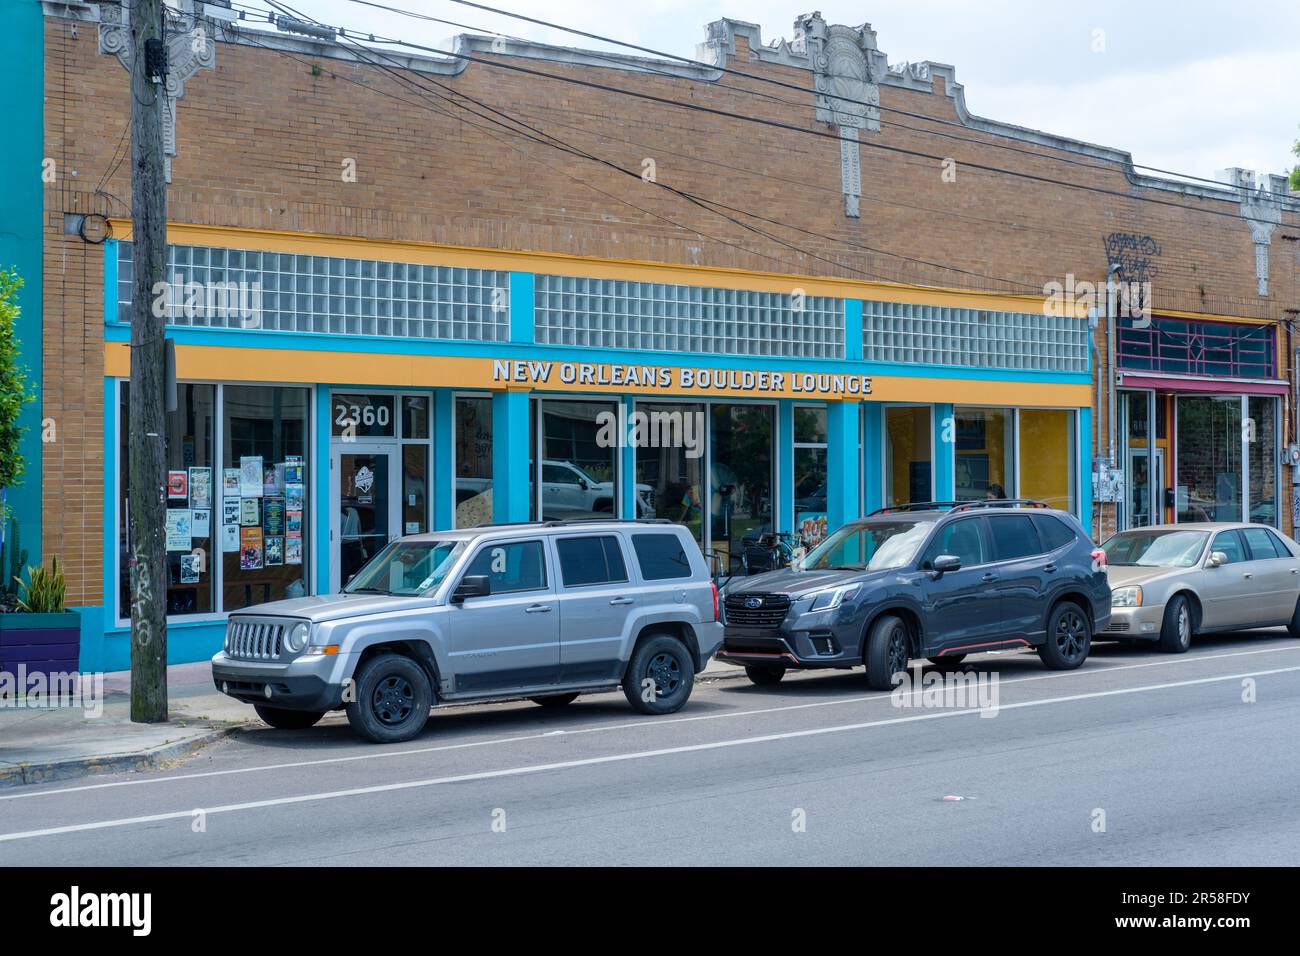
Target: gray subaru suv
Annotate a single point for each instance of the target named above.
(545, 611)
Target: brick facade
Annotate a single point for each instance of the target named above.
(263, 137)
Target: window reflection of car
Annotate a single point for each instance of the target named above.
(566, 487)
(814, 500)
(467, 488)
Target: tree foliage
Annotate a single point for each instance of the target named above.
(15, 390)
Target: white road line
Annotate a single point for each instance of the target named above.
(609, 758)
(608, 728)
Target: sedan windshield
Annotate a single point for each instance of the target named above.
(1155, 549)
(870, 547)
(406, 568)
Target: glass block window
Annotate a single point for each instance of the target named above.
(289, 292)
(617, 314)
(1192, 347)
(973, 338)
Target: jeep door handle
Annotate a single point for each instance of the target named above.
(537, 609)
(1295, 570)
(617, 601)
(1248, 575)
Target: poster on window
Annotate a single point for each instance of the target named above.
(273, 480)
(250, 476)
(250, 511)
(293, 549)
(274, 550)
(293, 470)
(190, 566)
(250, 549)
(177, 482)
(293, 522)
(812, 528)
(229, 538)
(293, 496)
(273, 516)
(179, 529)
(230, 482)
(201, 488)
(230, 510)
(200, 523)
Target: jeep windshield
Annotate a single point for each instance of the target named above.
(872, 546)
(407, 568)
(1154, 549)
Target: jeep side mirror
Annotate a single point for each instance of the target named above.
(1216, 558)
(471, 586)
(945, 563)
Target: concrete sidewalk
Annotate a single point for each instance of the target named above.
(39, 744)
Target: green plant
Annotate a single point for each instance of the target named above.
(15, 391)
(43, 593)
(1295, 173)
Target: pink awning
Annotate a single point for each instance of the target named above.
(1207, 386)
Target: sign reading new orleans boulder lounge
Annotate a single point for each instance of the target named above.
(677, 380)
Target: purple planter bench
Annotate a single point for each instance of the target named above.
(44, 643)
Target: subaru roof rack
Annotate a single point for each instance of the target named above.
(960, 505)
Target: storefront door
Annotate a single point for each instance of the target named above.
(366, 508)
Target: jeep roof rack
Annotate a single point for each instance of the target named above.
(960, 505)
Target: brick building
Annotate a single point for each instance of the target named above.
(410, 289)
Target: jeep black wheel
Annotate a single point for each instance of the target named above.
(888, 651)
(282, 719)
(763, 675)
(1176, 628)
(554, 700)
(660, 675)
(392, 699)
(1069, 637)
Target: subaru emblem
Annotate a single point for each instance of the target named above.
(753, 603)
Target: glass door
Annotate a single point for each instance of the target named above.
(367, 513)
(1208, 459)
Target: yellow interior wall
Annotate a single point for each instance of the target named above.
(908, 431)
(1045, 439)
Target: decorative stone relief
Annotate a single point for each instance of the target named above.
(191, 46)
(1261, 206)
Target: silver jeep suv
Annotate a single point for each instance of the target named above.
(544, 610)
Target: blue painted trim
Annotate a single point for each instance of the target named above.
(510, 444)
(853, 330)
(321, 551)
(1083, 468)
(944, 452)
(112, 440)
(523, 304)
(110, 281)
(873, 446)
(22, 222)
(444, 453)
(842, 463)
(387, 345)
(627, 463)
(784, 465)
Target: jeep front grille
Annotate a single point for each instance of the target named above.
(254, 640)
(768, 615)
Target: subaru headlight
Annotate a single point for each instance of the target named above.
(832, 598)
(296, 638)
(1126, 597)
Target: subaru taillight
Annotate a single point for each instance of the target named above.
(1099, 562)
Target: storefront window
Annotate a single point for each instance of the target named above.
(1047, 473)
(810, 474)
(578, 471)
(263, 494)
(191, 500)
(1261, 436)
(740, 478)
(984, 447)
(473, 461)
(670, 463)
(907, 455)
(1209, 458)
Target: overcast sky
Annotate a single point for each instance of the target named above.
(1187, 85)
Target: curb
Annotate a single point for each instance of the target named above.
(151, 759)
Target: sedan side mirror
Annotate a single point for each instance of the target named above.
(471, 586)
(1216, 558)
(945, 563)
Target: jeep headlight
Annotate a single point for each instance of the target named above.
(296, 637)
(1126, 597)
(832, 598)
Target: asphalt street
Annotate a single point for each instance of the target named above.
(1138, 758)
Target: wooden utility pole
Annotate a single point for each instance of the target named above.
(147, 477)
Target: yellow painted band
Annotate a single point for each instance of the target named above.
(232, 364)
